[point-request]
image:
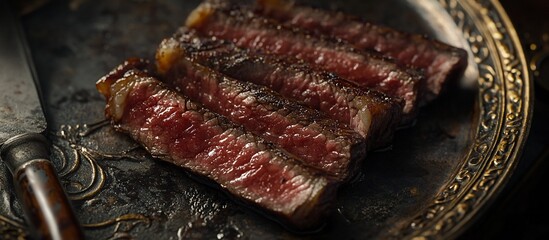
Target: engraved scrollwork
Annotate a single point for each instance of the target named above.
(79, 168)
(502, 120)
(72, 159)
(84, 177)
(123, 225)
(72, 156)
(503, 112)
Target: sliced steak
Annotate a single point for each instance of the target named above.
(177, 130)
(439, 61)
(247, 30)
(370, 113)
(320, 142)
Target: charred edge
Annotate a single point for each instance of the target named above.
(131, 68)
(226, 58)
(306, 217)
(388, 119)
(272, 101)
(457, 70)
(275, 102)
(282, 11)
(430, 88)
(385, 111)
(212, 10)
(103, 84)
(231, 60)
(409, 78)
(200, 15)
(173, 50)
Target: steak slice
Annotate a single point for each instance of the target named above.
(320, 142)
(177, 130)
(247, 30)
(438, 60)
(370, 113)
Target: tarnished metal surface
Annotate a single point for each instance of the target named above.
(20, 109)
(434, 180)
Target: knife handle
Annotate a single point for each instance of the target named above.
(47, 209)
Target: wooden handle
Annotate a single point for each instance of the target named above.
(47, 209)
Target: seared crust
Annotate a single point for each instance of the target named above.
(320, 142)
(370, 113)
(439, 61)
(366, 69)
(203, 142)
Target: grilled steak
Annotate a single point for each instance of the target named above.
(179, 131)
(246, 30)
(369, 113)
(306, 133)
(439, 61)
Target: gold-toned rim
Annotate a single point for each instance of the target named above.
(505, 99)
(505, 106)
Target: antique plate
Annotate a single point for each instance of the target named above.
(436, 179)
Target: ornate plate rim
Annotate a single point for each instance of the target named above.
(502, 125)
(503, 122)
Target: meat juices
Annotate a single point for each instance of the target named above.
(177, 130)
(371, 114)
(439, 61)
(319, 142)
(247, 30)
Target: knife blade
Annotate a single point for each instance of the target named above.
(24, 149)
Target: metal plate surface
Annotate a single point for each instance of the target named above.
(435, 180)
(20, 107)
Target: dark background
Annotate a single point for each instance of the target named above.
(522, 209)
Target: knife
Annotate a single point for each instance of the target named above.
(24, 149)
